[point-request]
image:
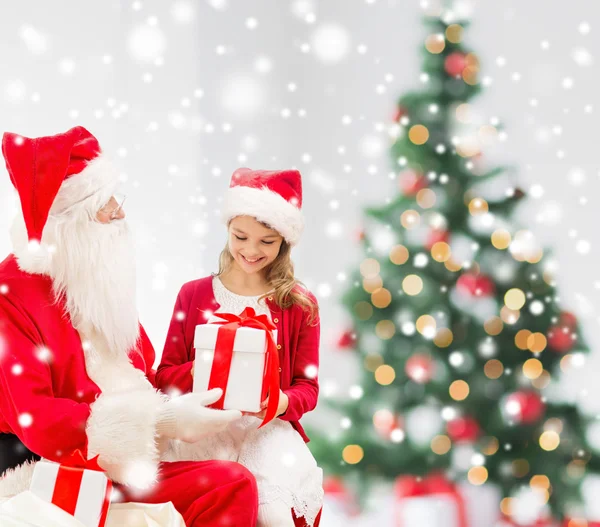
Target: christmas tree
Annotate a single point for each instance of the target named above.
(455, 315)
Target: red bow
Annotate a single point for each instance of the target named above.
(411, 487)
(219, 374)
(77, 460)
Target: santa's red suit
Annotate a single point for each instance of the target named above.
(62, 385)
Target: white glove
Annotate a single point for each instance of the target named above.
(186, 417)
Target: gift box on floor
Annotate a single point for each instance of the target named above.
(432, 501)
(238, 354)
(77, 486)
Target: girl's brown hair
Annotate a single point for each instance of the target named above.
(287, 291)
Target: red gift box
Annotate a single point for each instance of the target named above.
(78, 486)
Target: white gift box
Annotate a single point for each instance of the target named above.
(244, 387)
(427, 511)
(91, 495)
(482, 503)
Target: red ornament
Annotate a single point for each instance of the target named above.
(475, 285)
(524, 407)
(411, 182)
(463, 429)
(435, 236)
(420, 368)
(561, 338)
(399, 113)
(567, 319)
(455, 64)
(346, 340)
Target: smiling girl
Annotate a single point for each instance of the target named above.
(264, 221)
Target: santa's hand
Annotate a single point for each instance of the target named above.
(186, 417)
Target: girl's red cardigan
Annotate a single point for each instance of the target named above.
(297, 341)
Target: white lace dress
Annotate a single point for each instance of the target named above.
(277, 456)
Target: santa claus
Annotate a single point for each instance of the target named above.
(75, 364)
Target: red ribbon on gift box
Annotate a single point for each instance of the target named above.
(435, 484)
(68, 483)
(219, 374)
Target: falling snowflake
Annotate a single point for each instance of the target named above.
(331, 43)
(147, 43)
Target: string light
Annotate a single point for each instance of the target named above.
(443, 338)
(477, 475)
(399, 255)
(363, 310)
(418, 134)
(385, 375)
(521, 339)
(370, 268)
(381, 298)
(514, 298)
(454, 33)
(385, 329)
(532, 368)
(441, 445)
(549, 440)
(440, 252)
(459, 390)
(501, 239)
(493, 369)
(435, 44)
(536, 342)
(352, 454)
(412, 284)
(410, 219)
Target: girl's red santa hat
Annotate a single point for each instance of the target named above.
(56, 174)
(273, 197)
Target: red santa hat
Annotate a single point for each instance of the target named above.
(273, 197)
(59, 171)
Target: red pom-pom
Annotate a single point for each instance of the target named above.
(455, 64)
(524, 406)
(420, 368)
(411, 182)
(561, 339)
(567, 319)
(463, 429)
(435, 236)
(346, 340)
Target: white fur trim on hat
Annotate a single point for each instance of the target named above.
(81, 195)
(267, 207)
(91, 188)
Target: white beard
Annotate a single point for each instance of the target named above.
(92, 266)
(93, 270)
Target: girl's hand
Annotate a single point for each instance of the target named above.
(281, 409)
(193, 367)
